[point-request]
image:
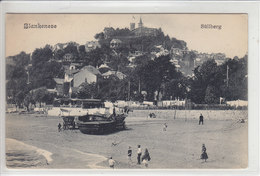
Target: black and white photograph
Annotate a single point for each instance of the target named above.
(126, 91)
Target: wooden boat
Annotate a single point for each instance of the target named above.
(90, 115)
(100, 124)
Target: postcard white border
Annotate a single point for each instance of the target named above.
(251, 8)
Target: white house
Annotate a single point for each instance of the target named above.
(87, 74)
(115, 73)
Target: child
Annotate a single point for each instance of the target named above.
(204, 154)
(139, 153)
(129, 154)
(111, 162)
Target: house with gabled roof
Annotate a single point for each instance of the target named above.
(87, 74)
(75, 77)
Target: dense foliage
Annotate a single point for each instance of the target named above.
(151, 79)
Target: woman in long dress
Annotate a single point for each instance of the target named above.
(146, 157)
(204, 155)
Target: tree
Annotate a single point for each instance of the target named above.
(22, 59)
(43, 75)
(41, 55)
(210, 81)
(176, 88)
(19, 98)
(142, 60)
(82, 52)
(41, 95)
(210, 95)
(72, 49)
(96, 57)
(113, 88)
(208, 74)
(43, 69)
(237, 85)
(88, 90)
(157, 73)
(119, 61)
(58, 55)
(100, 36)
(16, 76)
(28, 99)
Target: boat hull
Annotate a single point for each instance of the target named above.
(101, 126)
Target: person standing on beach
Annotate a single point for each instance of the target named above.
(201, 119)
(139, 153)
(146, 157)
(73, 125)
(59, 127)
(129, 154)
(111, 162)
(114, 111)
(204, 155)
(64, 126)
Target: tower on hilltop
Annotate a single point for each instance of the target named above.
(132, 26)
(140, 24)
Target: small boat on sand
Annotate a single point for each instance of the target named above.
(90, 116)
(99, 124)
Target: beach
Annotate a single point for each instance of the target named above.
(179, 147)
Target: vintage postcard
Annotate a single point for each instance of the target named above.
(126, 91)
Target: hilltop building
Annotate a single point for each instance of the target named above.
(91, 45)
(142, 30)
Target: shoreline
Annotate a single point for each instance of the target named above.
(16, 147)
(177, 148)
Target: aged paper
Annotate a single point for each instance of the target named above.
(127, 91)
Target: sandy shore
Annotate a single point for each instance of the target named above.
(177, 148)
(22, 155)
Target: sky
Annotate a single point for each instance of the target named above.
(231, 39)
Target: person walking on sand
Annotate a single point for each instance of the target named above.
(111, 163)
(201, 119)
(64, 126)
(164, 127)
(139, 153)
(59, 127)
(146, 157)
(204, 155)
(129, 154)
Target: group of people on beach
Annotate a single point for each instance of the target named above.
(145, 158)
(66, 127)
